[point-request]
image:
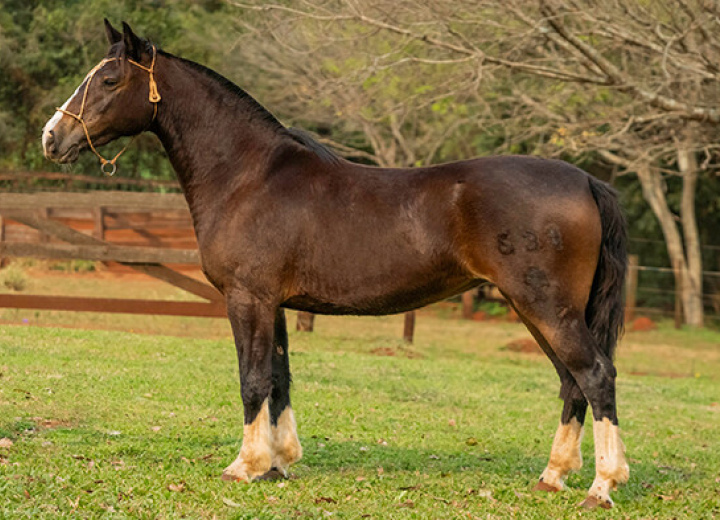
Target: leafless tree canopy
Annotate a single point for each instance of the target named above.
(631, 83)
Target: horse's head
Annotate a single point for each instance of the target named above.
(114, 100)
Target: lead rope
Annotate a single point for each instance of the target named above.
(154, 98)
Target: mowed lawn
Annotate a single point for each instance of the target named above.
(122, 425)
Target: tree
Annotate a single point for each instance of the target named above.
(47, 48)
(633, 84)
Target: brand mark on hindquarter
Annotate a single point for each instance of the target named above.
(553, 233)
(505, 245)
(537, 283)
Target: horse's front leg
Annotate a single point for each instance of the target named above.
(253, 326)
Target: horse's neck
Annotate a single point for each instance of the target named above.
(214, 137)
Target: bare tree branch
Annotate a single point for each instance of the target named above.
(620, 81)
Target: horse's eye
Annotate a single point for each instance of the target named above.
(110, 82)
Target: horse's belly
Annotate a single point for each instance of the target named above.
(386, 293)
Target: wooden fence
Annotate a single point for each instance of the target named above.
(148, 232)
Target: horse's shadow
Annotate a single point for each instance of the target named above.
(510, 465)
(340, 458)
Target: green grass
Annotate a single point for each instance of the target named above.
(121, 425)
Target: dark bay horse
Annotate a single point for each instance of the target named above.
(282, 222)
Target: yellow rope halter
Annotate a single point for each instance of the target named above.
(154, 98)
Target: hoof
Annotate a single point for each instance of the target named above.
(272, 475)
(232, 478)
(544, 486)
(592, 502)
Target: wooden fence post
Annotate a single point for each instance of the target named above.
(409, 329)
(305, 321)
(468, 301)
(2, 239)
(99, 222)
(678, 299)
(631, 284)
(43, 214)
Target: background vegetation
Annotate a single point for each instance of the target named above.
(394, 83)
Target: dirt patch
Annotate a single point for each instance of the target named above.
(384, 351)
(642, 324)
(50, 424)
(396, 352)
(524, 346)
(512, 316)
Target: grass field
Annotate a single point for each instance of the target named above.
(125, 425)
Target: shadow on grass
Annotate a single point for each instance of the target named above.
(319, 454)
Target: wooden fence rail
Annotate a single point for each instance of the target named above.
(55, 239)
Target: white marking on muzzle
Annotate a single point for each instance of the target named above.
(55, 119)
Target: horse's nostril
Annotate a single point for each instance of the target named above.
(50, 141)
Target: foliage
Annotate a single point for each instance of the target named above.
(493, 309)
(396, 98)
(74, 266)
(47, 48)
(14, 278)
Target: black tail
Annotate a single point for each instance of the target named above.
(604, 314)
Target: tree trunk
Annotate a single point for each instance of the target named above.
(651, 182)
(692, 283)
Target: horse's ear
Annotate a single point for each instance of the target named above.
(113, 35)
(133, 44)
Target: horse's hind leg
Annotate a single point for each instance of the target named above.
(285, 445)
(594, 373)
(565, 455)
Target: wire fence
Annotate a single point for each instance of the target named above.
(655, 290)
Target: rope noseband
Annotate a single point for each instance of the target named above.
(154, 98)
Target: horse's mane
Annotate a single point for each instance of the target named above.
(319, 149)
(231, 88)
(299, 136)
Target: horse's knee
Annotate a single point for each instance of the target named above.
(255, 395)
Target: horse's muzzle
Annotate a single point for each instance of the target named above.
(54, 149)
